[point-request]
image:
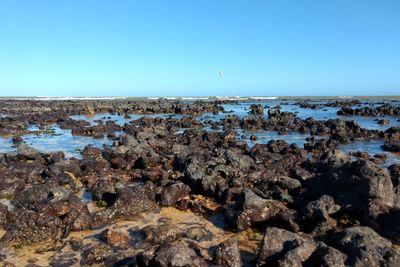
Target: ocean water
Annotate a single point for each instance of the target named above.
(55, 139)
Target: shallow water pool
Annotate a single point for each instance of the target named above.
(55, 139)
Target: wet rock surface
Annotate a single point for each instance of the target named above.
(168, 191)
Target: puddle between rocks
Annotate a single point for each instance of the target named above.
(249, 240)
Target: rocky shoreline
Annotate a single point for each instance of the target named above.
(171, 192)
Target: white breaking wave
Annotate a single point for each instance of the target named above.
(48, 98)
(264, 97)
(195, 98)
(74, 98)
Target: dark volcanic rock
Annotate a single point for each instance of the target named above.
(162, 233)
(3, 215)
(26, 152)
(65, 165)
(383, 121)
(70, 209)
(17, 139)
(172, 193)
(330, 160)
(114, 239)
(177, 254)
(392, 135)
(383, 110)
(254, 209)
(284, 248)
(321, 208)
(355, 184)
(316, 215)
(384, 220)
(227, 254)
(62, 260)
(364, 247)
(128, 203)
(91, 152)
(326, 256)
(33, 228)
(256, 109)
(56, 201)
(96, 254)
(391, 146)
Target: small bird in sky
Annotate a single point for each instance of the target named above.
(221, 74)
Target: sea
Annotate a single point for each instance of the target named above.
(53, 138)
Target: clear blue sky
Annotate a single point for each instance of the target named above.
(166, 47)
